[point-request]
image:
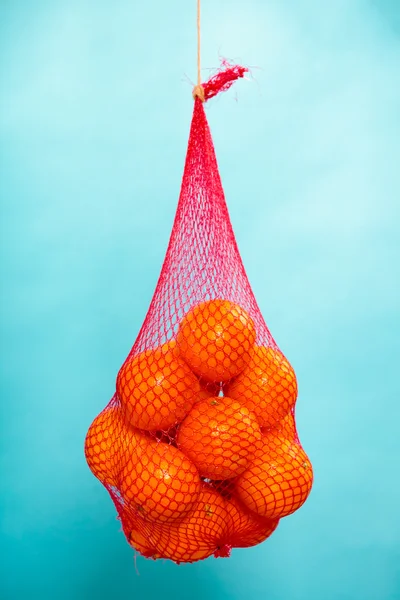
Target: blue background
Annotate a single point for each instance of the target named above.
(95, 109)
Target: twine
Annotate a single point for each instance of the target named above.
(198, 91)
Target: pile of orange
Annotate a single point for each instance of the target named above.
(200, 450)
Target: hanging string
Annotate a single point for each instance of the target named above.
(198, 42)
(199, 90)
(222, 80)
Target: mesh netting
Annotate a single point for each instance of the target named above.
(198, 448)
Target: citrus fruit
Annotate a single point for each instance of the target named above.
(102, 445)
(267, 386)
(157, 389)
(136, 530)
(278, 481)
(109, 442)
(197, 536)
(160, 483)
(286, 428)
(216, 339)
(207, 388)
(170, 346)
(141, 543)
(219, 435)
(247, 529)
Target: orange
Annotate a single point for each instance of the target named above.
(247, 529)
(132, 444)
(279, 441)
(102, 445)
(267, 386)
(286, 428)
(136, 530)
(108, 442)
(141, 543)
(157, 389)
(170, 346)
(160, 483)
(219, 436)
(207, 389)
(278, 481)
(199, 535)
(216, 339)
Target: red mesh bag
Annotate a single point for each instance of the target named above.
(198, 448)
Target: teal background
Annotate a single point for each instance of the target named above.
(95, 109)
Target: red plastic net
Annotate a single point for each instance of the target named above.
(198, 448)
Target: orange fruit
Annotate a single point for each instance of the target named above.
(207, 388)
(170, 346)
(157, 389)
(247, 529)
(280, 440)
(278, 481)
(159, 483)
(268, 386)
(219, 436)
(216, 339)
(141, 543)
(136, 530)
(132, 443)
(109, 441)
(286, 428)
(199, 535)
(102, 445)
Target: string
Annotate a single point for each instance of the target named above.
(199, 90)
(222, 80)
(198, 42)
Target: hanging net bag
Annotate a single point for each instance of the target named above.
(198, 448)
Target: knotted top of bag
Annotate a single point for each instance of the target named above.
(220, 82)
